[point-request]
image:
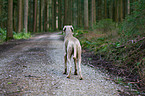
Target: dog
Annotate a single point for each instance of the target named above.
(72, 47)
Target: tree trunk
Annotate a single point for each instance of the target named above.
(111, 10)
(45, 15)
(75, 13)
(1, 7)
(26, 15)
(79, 14)
(128, 7)
(19, 15)
(48, 1)
(35, 15)
(93, 12)
(30, 16)
(59, 14)
(65, 12)
(54, 15)
(99, 9)
(116, 11)
(10, 20)
(42, 14)
(86, 17)
(15, 16)
(38, 15)
(121, 10)
(70, 12)
(105, 7)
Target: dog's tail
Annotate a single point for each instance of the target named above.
(75, 51)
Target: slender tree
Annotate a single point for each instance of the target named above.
(128, 6)
(26, 15)
(75, 13)
(121, 10)
(59, 14)
(65, 12)
(54, 15)
(93, 12)
(48, 11)
(45, 15)
(79, 14)
(35, 15)
(86, 16)
(111, 9)
(105, 8)
(10, 20)
(116, 11)
(19, 15)
(99, 12)
(38, 15)
(42, 14)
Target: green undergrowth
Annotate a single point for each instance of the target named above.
(122, 44)
(21, 35)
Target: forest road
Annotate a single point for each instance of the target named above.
(35, 67)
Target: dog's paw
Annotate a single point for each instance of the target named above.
(81, 78)
(68, 76)
(64, 72)
(75, 73)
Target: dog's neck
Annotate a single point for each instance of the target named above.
(68, 34)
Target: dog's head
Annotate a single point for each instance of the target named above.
(68, 28)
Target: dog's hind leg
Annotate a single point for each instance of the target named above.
(69, 54)
(70, 66)
(75, 62)
(65, 61)
(79, 61)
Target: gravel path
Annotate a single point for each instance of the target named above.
(35, 68)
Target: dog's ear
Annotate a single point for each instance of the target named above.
(72, 29)
(64, 28)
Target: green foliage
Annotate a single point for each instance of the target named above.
(105, 25)
(22, 35)
(117, 46)
(134, 24)
(2, 34)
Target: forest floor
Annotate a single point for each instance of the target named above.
(35, 67)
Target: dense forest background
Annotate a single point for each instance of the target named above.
(46, 15)
(113, 29)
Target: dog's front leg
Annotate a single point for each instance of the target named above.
(65, 61)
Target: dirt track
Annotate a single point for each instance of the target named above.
(35, 68)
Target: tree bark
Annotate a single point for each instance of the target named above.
(34, 15)
(93, 12)
(54, 15)
(105, 7)
(19, 15)
(79, 14)
(45, 15)
(59, 14)
(121, 10)
(10, 20)
(65, 12)
(128, 7)
(86, 15)
(99, 13)
(47, 25)
(38, 16)
(42, 14)
(26, 15)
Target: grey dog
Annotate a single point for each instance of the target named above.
(72, 47)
